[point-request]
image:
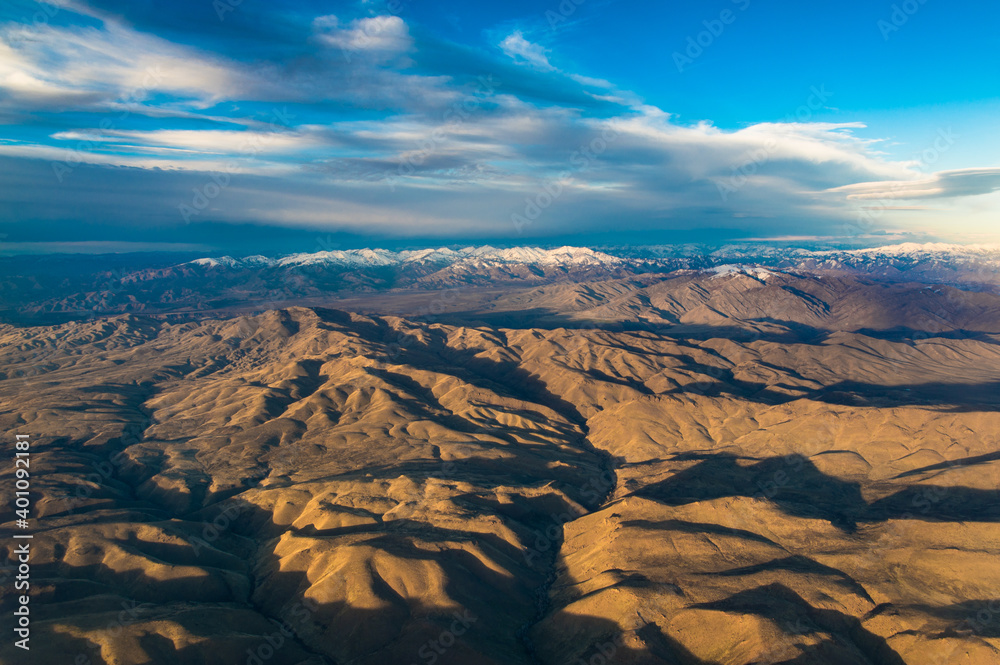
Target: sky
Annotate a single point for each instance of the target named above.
(260, 126)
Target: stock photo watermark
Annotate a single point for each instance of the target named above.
(698, 43)
(602, 653)
(129, 614)
(431, 650)
(107, 126)
(755, 159)
(453, 118)
(580, 161)
(21, 553)
(28, 25)
(301, 613)
(223, 7)
(899, 16)
(279, 122)
(874, 209)
(562, 12)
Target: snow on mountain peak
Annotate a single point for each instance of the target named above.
(227, 261)
(731, 270)
(935, 260)
(562, 256)
(913, 249)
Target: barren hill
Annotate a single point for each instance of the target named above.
(315, 486)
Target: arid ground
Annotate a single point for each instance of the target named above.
(694, 470)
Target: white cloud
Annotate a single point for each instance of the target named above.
(220, 142)
(380, 36)
(517, 47)
(479, 168)
(111, 64)
(590, 81)
(944, 184)
(115, 68)
(709, 151)
(71, 157)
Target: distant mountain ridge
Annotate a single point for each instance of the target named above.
(576, 256)
(568, 256)
(254, 283)
(970, 265)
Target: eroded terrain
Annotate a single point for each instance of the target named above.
(383, 490)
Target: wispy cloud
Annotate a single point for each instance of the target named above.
(210, 141)
(80, 66)
(379, 37)
(519, 48)
(389, 127)
(946, 184)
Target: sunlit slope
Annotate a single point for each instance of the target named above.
(383, 490)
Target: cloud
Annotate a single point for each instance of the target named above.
(75, 65)
(379, 37)
(97, 247)
(218, 142)
(392, 128)
(591, 82)
(945, 184)
(112, 65)
(62, 160)
(517, 47)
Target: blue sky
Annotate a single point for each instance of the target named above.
(253, 125)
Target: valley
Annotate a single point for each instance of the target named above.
(695, 469)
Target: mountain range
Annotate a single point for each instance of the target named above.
(760, 480)
(510, 456)
(43, 290)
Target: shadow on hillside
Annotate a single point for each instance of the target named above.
(396, 625)
(767, 329)
(952, 397)
(506, 378)
(487, 576)
(798, 488)
(787, 609)
(377, 615)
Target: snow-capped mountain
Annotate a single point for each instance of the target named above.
(969, 265)
(369, 258)
(223, 282)
(729, 269)
(908, 254)
(935, 262)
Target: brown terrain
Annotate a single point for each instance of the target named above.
(684, 470)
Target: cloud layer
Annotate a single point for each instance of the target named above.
(367, 122)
